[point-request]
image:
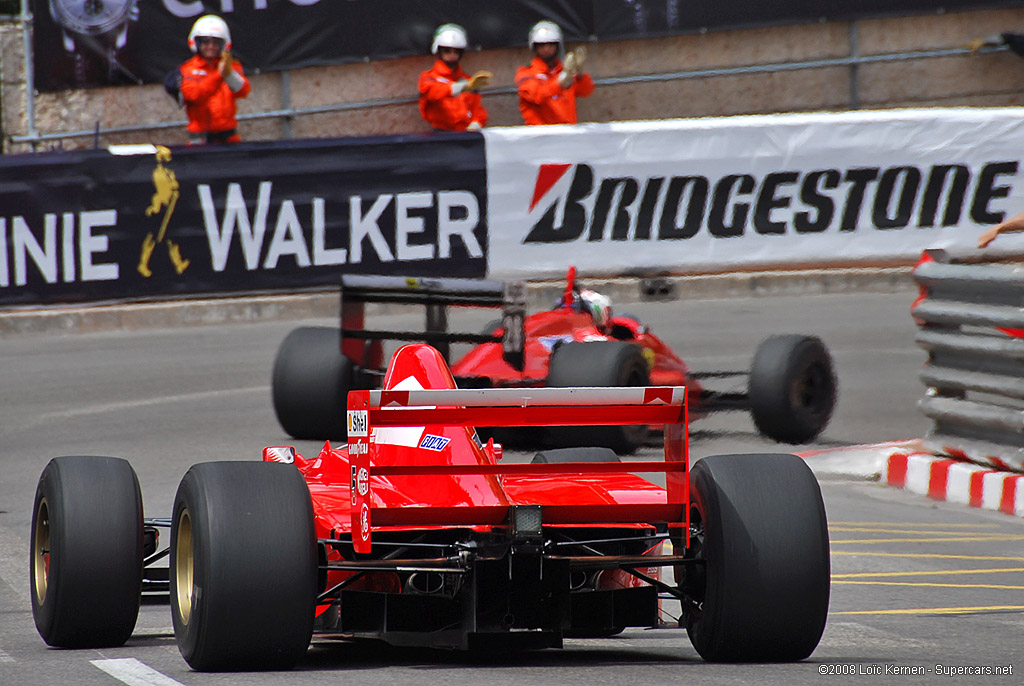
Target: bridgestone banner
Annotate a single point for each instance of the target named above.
(697, 195)
(81, 44)
(154, 221)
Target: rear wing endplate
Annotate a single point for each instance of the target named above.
(517, 407)
(436, 295)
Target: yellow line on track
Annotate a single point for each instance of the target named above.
(929, 584)
(922, 524)
(931, 556)
(982, 538)
(855, 575)
(909, 531)
(933, 610)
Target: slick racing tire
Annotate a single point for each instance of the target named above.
(243, 566)
(792, 388)
(310, 384)
(564, 455)
(87, 552)
(758, 526)
(600, 363)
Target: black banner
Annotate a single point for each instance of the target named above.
(78, 226)
(83, 44)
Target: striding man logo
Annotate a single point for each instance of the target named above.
(165, 198)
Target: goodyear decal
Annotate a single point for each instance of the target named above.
(431, 442)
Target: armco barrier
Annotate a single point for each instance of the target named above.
(971, 322)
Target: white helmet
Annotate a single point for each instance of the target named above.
(209, 26)
(545, 32)
(449, 36)
(597, 306)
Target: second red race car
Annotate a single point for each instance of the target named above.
(790, 390)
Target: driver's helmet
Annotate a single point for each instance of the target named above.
(597, 306)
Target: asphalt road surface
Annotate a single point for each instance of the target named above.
(920, 590)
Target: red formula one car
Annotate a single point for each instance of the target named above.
(790, 394)
(416, 533)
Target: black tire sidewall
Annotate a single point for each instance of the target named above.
(780, 365)
(254, 566)
(94, 582)
(599, 363)
(310, 382)
(767, 558)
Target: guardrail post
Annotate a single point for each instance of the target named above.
(286, 104)
(854, 69)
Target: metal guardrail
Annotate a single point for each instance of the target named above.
(287, 112)
(971, 321)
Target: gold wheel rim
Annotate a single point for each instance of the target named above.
(41, 551)
(184, 566)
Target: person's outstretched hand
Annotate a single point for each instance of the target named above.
(989, 236)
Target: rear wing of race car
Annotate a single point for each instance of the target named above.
(436, 295)
(517, 407)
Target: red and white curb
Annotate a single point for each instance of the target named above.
(955, 481)
(908, 465)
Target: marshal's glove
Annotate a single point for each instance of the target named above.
(225, 64)
(227, 72)
(480, 79)
(581, 58)
(574, 61)
(976, 44)
(569, 64)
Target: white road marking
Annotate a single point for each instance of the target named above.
(5, 658)
(849, 635)
(125, 405)
(155, 632)
(142, 402)
(130, 671)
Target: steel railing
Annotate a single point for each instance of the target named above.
(287, 112)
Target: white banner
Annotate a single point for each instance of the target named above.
(752, 191)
